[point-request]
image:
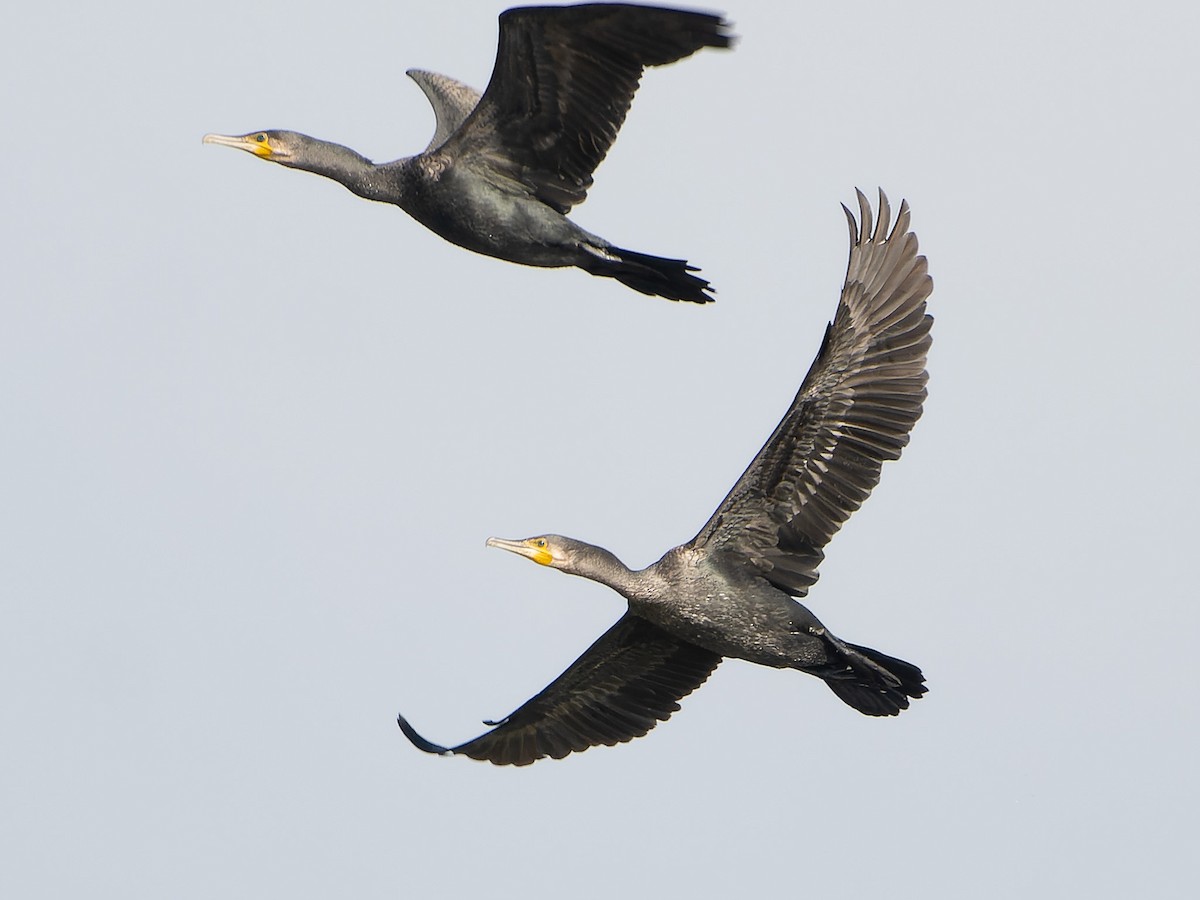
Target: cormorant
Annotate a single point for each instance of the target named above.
(731, 590)
(504, 168)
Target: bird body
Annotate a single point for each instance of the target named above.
(732, 591)
(488, 213)
(505, 167)
(713, 603)
(728, 612)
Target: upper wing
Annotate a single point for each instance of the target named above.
(855, 409)
(452, 102)
(562, 84)
(620, 688)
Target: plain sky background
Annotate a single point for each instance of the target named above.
(256, 431)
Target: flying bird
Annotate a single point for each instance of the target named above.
(505, 167)
(732, 589)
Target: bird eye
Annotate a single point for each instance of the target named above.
(541, 543)
(261, 138)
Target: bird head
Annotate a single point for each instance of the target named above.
(276, 146)
(546, 549)
(568, 555)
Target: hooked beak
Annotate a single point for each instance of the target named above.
(526, 549)
(247, 142)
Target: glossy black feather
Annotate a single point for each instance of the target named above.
(562, 85)
(623, 685)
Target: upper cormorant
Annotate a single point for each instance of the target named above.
(729, 591)
(503, 169)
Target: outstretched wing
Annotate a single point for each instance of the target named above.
(854, 410)
(452, 102)
(621, 687)
(562, 84)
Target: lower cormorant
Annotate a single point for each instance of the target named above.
(731, 590)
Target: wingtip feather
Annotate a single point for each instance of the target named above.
(852, 223)
(419, 742)
(867, 217)
(885, 216)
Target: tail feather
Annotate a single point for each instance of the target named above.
(655, 276)
(874, 683)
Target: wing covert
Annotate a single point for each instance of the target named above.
(452, 102)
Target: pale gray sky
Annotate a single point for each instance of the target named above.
(256, 431)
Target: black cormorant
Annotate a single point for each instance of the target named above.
(504, 168)
(730, 590)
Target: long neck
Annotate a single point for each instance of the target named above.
(351, 169)
(600, 565)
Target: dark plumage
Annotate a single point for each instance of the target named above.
(730, 590)
(504, 168)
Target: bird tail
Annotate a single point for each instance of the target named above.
(874, 683)
(651, 275)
